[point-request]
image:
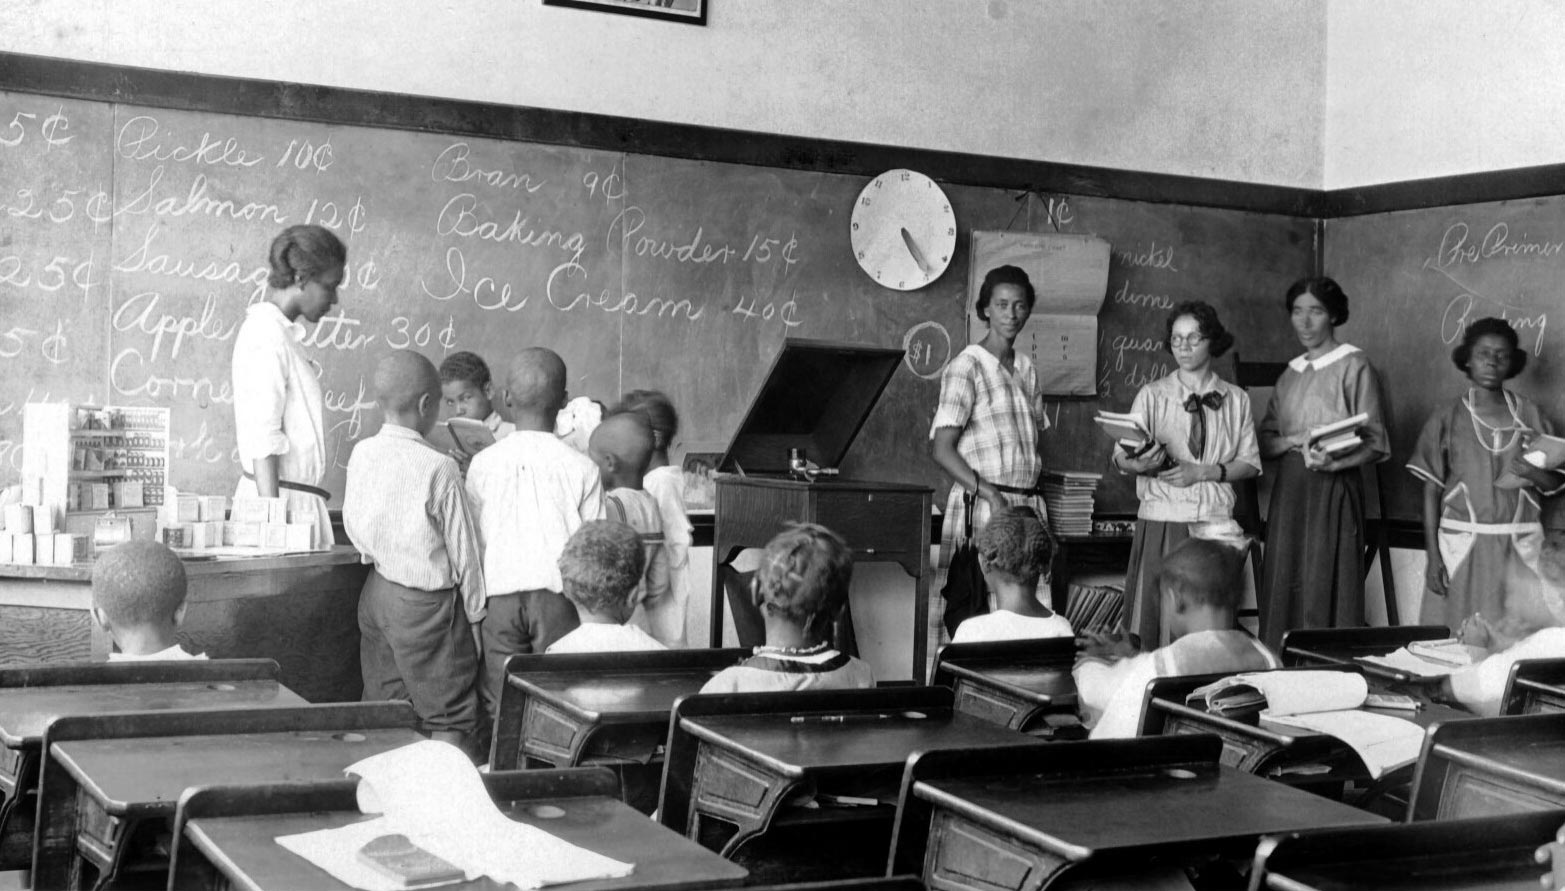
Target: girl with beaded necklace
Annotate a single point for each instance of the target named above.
(1474, 526)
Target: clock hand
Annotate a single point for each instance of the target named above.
(918, 255)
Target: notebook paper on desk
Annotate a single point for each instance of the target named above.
(431, 793)
(1383, 743)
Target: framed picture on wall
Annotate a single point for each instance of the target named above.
(691, 12)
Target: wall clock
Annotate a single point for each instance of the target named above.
(903, 230)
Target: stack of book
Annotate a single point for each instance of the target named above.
(1340, 436)
(1093, 608)
(1068, 496)
(1125, 428)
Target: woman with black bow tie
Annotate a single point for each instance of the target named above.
(1203, 439)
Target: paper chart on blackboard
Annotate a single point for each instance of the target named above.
(1069, 273)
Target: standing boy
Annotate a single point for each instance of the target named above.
(530, 492)
(622, 447)
(406, 512)
(468, 391)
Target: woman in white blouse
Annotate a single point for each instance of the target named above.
(277, 389)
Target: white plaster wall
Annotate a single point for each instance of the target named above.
(1421, 88)
(1217, 88)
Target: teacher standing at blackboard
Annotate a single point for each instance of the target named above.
(277, 389)
(1314, 561)
(985, 432)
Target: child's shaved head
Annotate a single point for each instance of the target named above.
(627, 437)
(537, 380)
(401, 378)
(138, 583)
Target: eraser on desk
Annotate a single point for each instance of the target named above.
(18, 519)
(22, 549)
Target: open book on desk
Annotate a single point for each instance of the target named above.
(1382, 742)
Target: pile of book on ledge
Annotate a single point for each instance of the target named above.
(1068, 496)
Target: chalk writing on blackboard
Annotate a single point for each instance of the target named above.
(928, 349)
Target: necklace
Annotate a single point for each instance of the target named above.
(821, 647)
(1493, 443)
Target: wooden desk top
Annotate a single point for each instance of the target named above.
(1045, 685)
(82, 572)
(1515, 872)
(26, 711)
(144, 776)
(1077, 817)
(1535, 761)
(597, 698)
(822, 484)
(861, 741)
(1429, 715)
(244, 849)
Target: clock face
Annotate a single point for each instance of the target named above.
(904, 232)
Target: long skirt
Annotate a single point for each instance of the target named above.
(1143, 597)
(1314, 560)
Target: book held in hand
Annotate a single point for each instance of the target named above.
(1128, 429)
(1338, 436)
(470, 436)
(1544, 452)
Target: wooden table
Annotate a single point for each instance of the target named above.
(879, 521)
(1029, 830)
(30, 699)
(1491, 766)
(300, 609)
(1315, 647)
(94, 791)
(243, 850)
(561, 710)
(1495, 854)
(750, 752)
(1010, 683)
(1535, 686)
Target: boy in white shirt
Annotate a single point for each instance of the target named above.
(468, 391)
(530, 492)
(1201, 588)
(601, 569)
(621, 447)
(1014, 550)
(138, 596)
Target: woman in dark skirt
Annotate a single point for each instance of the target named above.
(1203, 440)
(1314, 560)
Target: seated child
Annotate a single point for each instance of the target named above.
(138, 596)
(406, 512)
(621, 447)
(1530, 629)
(601, 569)
(468, 391)
(1014, 550)
(666, 483)
(1201, 585)
(530, 493)
(800, 587)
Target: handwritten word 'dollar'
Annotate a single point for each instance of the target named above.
(463, 216)
(454, 165)
(1460, 311)
(129, 375)
(141, 139)
(1149, 257)
(1456, 246)
(1126, 297)
(628, 303)
(142, 313)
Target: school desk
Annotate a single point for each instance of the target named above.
(103, 775)
(1486, 854)
(1009, 682)
(578, 806)
(1031, 817)
(299, 609)
(1298, 757)
(880, 522)
(1491, 766)
(1316, 647)
(562, 709)
(736, 758)
(1535, 686)
(30, 698)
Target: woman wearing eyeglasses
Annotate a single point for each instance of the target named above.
(1203, 439)
(1314, 560)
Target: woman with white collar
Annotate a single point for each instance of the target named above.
(277, 390)
(1314, 560)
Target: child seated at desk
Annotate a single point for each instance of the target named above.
(1530, 629)
(1201, 587)
(138, 596)
(1014, 550)
(622, 448)
(601, 570)
(800, 588)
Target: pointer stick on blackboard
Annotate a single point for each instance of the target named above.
(918, 255)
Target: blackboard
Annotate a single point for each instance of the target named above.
(1416, 278)
(640, 270)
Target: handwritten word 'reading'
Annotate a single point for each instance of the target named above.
(465, 217)
(142, 313)
(1460, 311)
(130, 375)
(1457, 247)
(454, 165)
(194, 202)
(141, 139)
(1126, 297)
(1147, 257)
(52, 129)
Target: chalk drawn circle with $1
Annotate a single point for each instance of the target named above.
(927, 347)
